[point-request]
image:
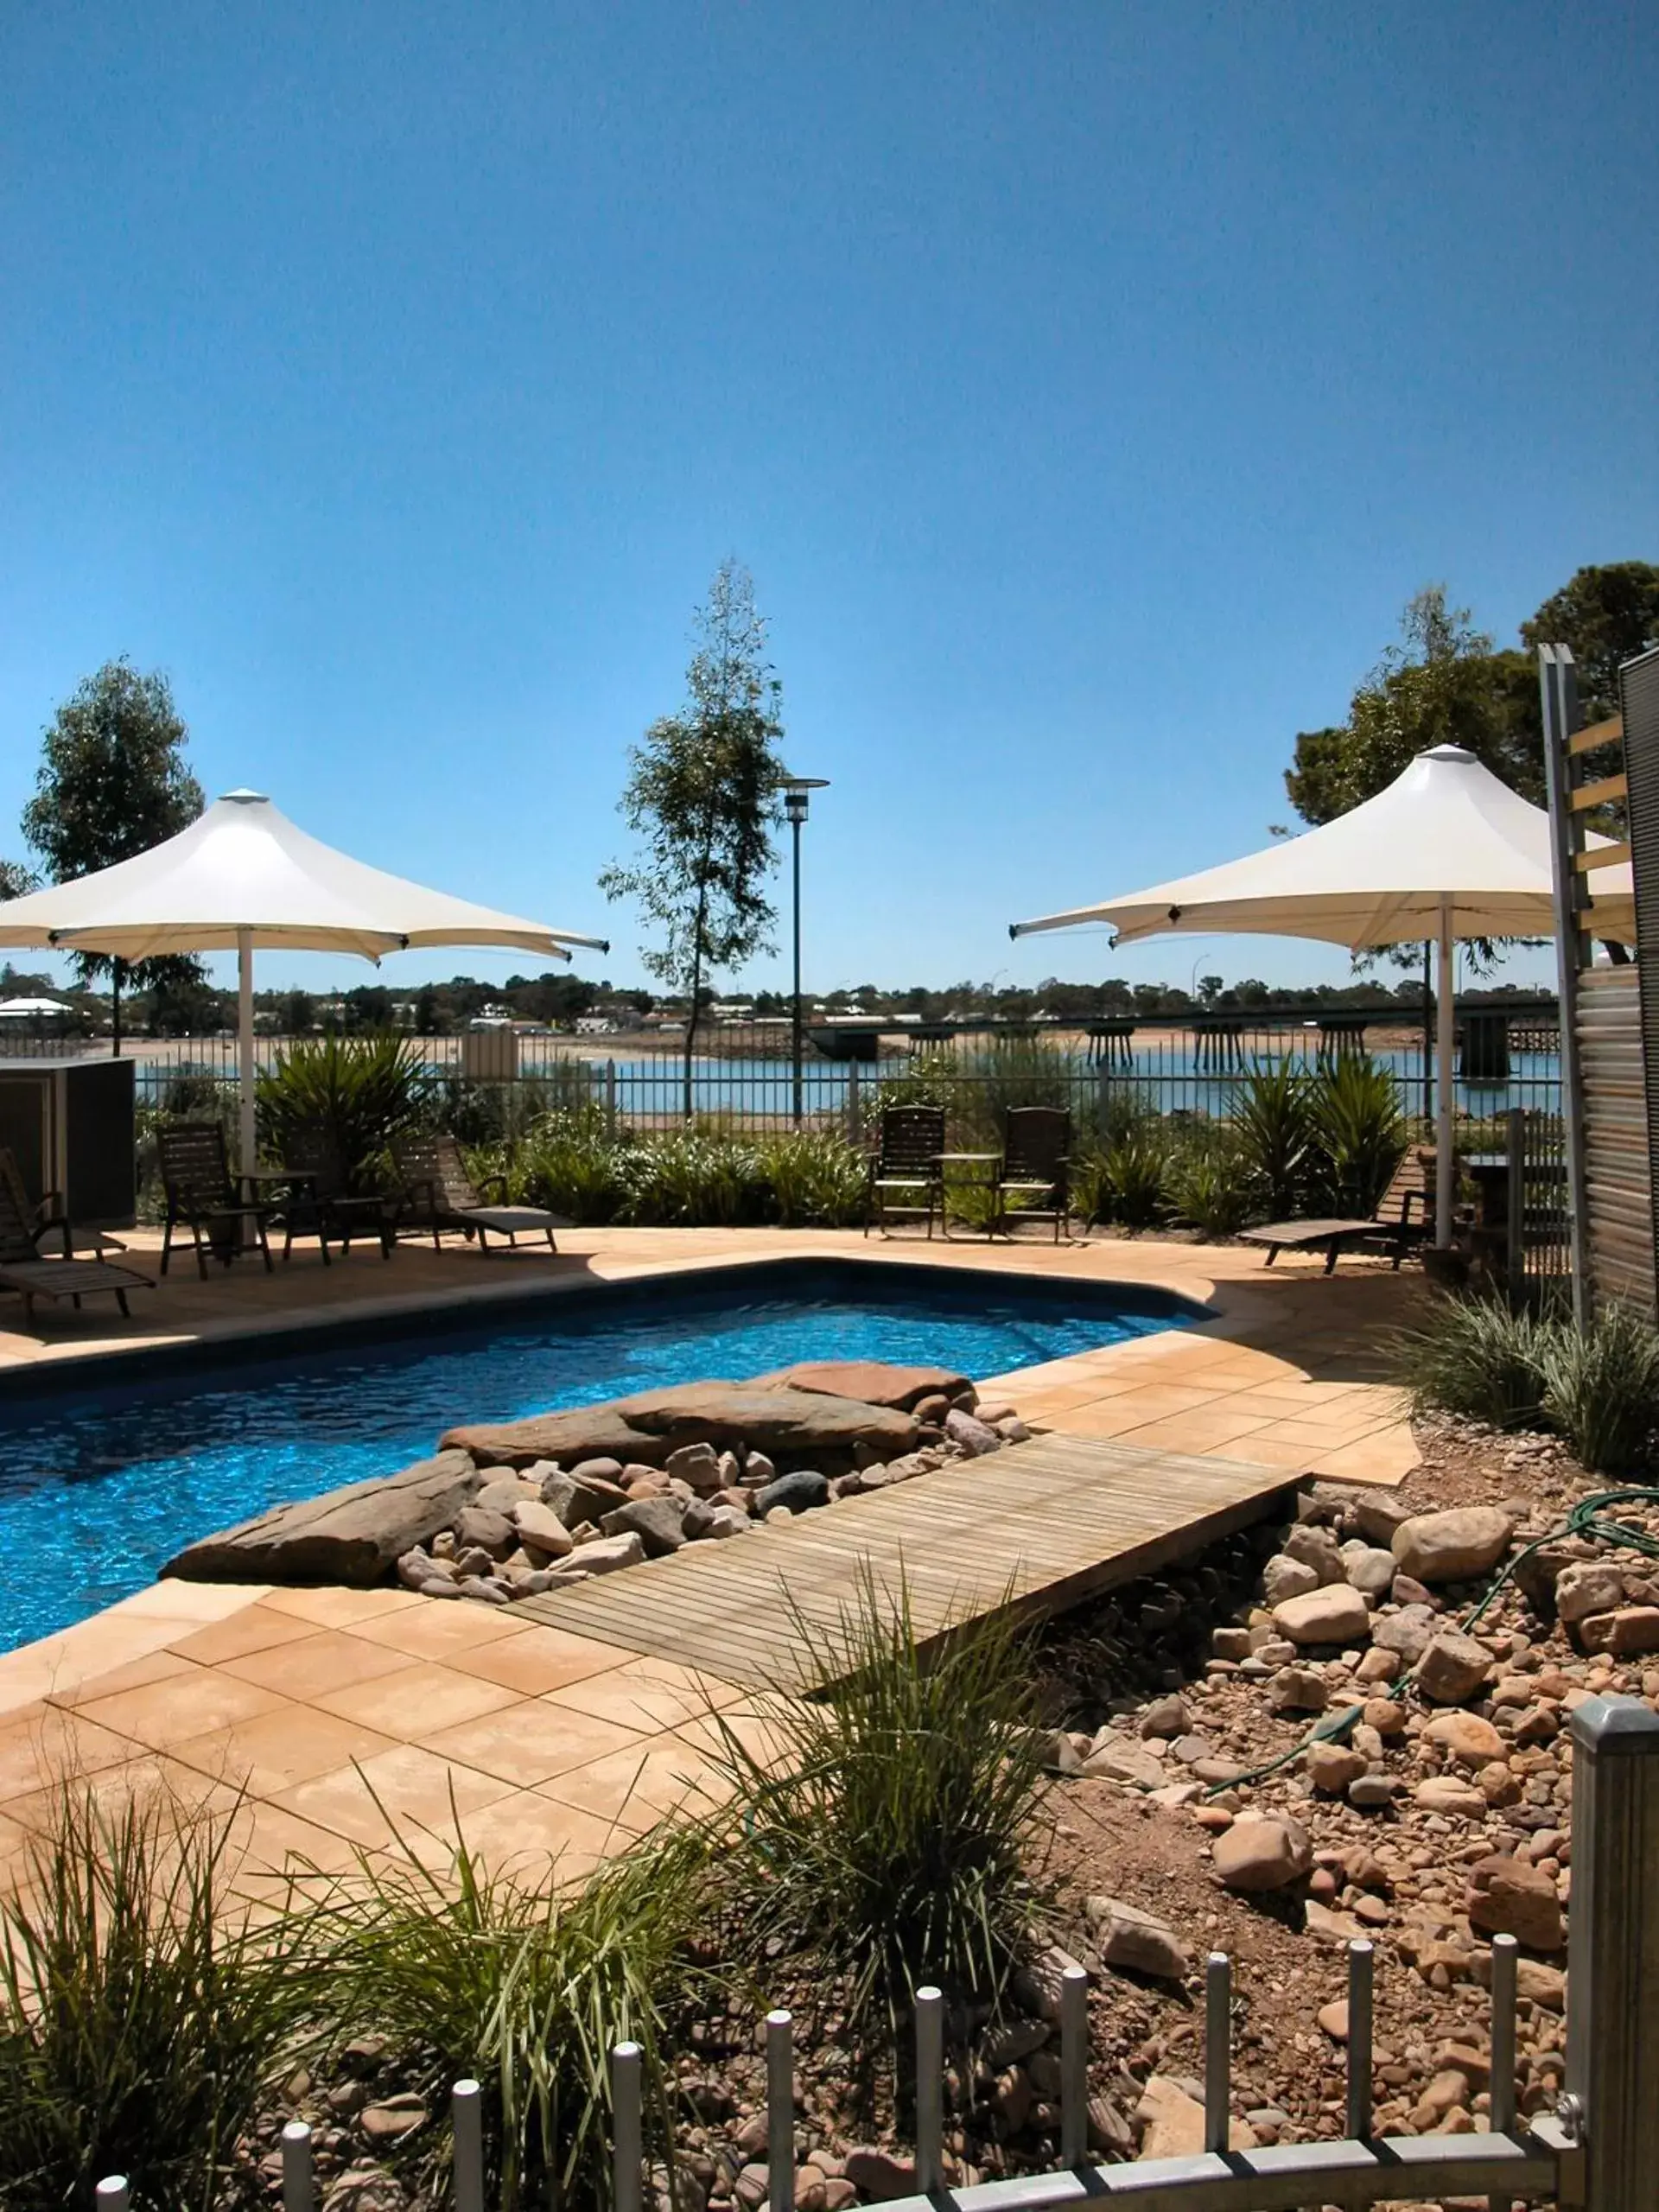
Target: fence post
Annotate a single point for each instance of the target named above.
(466, 2116)
(930, 2090)
(627, 2126)
(1612, 1989)
(854, 1115)
(297, 2193)
(1515, 1227)
(113, 2195)
(610, 1102)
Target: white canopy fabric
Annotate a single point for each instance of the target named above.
(1447, 839)
(1448, 851)
(242, 875)
(243, 870)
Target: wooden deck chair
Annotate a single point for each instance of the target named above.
(1404, 1218)
(201, 1195)
(1036, 1169)
(438, 1193)
(905, 1167)
(25, 1268)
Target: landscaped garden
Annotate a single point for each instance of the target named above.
(1348, 1722)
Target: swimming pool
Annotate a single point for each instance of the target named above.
(97, 1490)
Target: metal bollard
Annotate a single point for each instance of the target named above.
(930, 2090)
(1362, 1962)
(298, 2193)
(628, 2125)
(113, 2195)
(1217, 2050)
(466, 2119)
(1074, 2066)
(780, 2112)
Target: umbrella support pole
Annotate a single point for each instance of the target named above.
(245, 1150)
(1444, 1165)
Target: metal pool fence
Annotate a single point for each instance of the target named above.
(1186, 1068)
(1595, 2148)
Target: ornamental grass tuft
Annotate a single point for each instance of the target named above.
(887, 1823)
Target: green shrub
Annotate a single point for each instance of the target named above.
(569, 1164)
(1273, 1118)
(1360, 1131)
(815, 1176)
(1474, 1356)
(688, 1179)
(1601, 1387)
(139, 2015)
(885, 1828)
(1134, 1168)
(526, 1989)
(353, 1095)
(1206, 1184)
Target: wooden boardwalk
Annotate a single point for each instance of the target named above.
(1055, 1520)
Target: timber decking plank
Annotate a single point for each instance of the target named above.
(1043, 1523)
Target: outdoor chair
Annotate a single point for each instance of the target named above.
(26, 1228)
(1036, 1169)
(314, 1201)
(437, 1193)
(201, 1195)
(1404, 1218)
(907, 1164)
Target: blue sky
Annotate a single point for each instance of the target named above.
(1086, 385)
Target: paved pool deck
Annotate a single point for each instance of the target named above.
(337, 1714)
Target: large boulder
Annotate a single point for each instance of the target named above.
(1454, 1545)
(1333, 1614)
(1268, 1853)
(783, 1423)
(354, 1536)
(1508, 1897)
(871, 1382)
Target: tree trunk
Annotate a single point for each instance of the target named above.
(114, 1007)
(691, 1024)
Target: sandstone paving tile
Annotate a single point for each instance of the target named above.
(147, 1778)
(255, 1628)
(421, 1696)
(531, 1741)
(161, 1714)
(402, 1790)
(265, 1838)
(633, 1696)
(313, 1665)
(136, 1674)
(437, 1628)
(338, 1608)
(1203, 1429)
(51, 1744)
(537, 1660)
(533, 1840)
(176, 1599)
(635, 1789)
(1118, 1416)
(276, 1750)
(1388, 1456)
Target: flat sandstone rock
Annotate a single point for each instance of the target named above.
(794, 1423)
(354, 1536)
(869, 1381)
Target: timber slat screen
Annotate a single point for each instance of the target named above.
(1047, 1522)
(1639, 683)
(1619, 1214)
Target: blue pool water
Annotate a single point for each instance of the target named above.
(98, 1489)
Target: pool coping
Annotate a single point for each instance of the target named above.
(422, 1313)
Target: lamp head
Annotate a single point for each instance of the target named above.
(797, 791)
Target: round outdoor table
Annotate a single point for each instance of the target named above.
(989, 1167)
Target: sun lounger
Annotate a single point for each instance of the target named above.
(438, 1193)
(24, 1267)
(1402, 1219)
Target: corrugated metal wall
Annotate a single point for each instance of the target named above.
(1620, 1225)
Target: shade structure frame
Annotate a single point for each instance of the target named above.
(243, 877)
(1446, 852)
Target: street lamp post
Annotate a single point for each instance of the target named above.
(797, 791)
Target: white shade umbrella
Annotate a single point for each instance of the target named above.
(242, 876)
(1448, 851)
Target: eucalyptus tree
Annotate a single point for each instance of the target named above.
(702, 798)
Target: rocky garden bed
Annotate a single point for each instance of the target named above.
(510, 1511)
(1189, 1811)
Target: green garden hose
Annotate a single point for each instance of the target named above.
(1589, 1518)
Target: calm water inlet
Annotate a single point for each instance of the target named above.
(99, 1489)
